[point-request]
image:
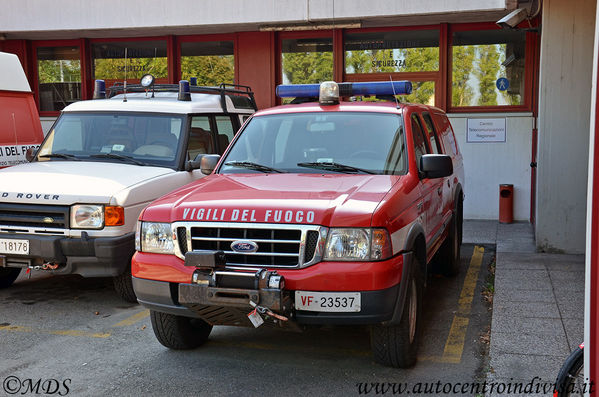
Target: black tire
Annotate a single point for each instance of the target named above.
(570, 380)
(123, 284)
(178, 332)
(449, 253)
(397, 345)
(8, 275)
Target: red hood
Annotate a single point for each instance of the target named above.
(342, 200)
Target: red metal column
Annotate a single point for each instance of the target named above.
(256, 57)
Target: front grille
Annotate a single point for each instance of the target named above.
(33, 215)
(311, 243)
(278, 246)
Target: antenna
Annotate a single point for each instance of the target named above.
(125, 83)
(394, 94)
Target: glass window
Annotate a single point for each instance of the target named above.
(488, 68)
(420, 145)
(307, 61)
(143, 57)
(422, 92)
(309, 143)
(384, 52)
(200, 137)
(211, 62)
(432, 133)
(142, 139)
(59, 76)
(226, 132)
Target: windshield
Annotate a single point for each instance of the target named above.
(142, 138)
(320, 142)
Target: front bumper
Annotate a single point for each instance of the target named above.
(192, 300)
(89, 257)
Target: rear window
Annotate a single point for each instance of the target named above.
(287, 142)
(449, 143)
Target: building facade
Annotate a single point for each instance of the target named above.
(517, 97)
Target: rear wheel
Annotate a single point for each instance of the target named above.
(449, 253)
(178, 332)
(8, 275)
(397, 345)
(123, 284)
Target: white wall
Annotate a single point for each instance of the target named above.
(487, 165)
(47, 123)
(564, 106)
(99, 18)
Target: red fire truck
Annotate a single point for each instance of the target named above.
(319, 212)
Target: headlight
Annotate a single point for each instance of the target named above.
(87, 216)
(358, 245)
(157, 238)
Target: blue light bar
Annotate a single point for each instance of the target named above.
(347, 89)
(382, 88)
(298, 90)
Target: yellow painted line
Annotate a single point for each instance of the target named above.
(454, 346)
(465, 302)
(133, 319)
(68, 332)
(74, 332)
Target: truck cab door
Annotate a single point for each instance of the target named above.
(432, 189)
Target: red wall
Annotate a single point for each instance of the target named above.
(255, 63)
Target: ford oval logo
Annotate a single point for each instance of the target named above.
(244, 246)
(48, 220)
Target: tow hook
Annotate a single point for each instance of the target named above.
(45, 266)
(266, 311)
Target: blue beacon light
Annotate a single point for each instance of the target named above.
(347, 89)
(184, 91)
(99, 89)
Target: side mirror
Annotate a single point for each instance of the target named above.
(208, 163)
(30, 154)
(195, 163)
(436, 165)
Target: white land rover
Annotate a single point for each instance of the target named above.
(73, 208)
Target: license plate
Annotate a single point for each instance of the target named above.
(327, 301)
(19, 247)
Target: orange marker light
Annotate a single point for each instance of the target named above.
(114, 216)
(381, 244)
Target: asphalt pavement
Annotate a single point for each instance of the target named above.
(77, 335)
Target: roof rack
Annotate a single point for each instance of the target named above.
(224, 90)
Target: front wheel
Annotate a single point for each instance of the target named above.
(178, 332)
(123, 284)
(397, 345)
(570, 380)
(8, 275)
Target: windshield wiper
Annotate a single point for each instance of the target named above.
(326, 165)
(118, 157)
(253, 166)
(61, 156)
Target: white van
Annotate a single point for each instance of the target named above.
(20, 127)
(74, 207)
